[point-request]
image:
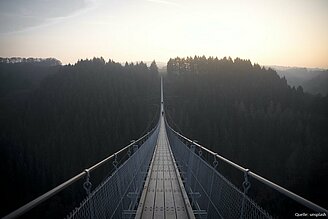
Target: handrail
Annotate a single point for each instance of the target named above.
(27, 207)
(261, 179)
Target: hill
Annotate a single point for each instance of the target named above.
(250, 115)
(311, 79)
(317, 84)
(69, 118)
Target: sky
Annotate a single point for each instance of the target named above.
(268, 32)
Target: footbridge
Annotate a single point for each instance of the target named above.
(166, 175)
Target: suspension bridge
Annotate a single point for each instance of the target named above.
(167, 175)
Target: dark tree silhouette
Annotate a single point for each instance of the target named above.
(58, 120)
(250, 115)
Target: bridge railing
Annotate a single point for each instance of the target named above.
(117, 196)
(117, 193)
(214, 196)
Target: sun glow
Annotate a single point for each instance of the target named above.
(292, 33)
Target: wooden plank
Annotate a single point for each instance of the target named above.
(179, 202)
(180, 195)
(146, 204)
(159, 198)
(170, 210)
(163, 197)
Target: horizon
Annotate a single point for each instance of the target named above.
(280, 33)
(163, 64)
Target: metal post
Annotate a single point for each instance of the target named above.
(246, 185)
(215, 164)
(190, 164)
(87, 186)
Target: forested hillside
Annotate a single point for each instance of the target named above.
(317, 84)
(58, 120)
(252, 116)
(313, 81)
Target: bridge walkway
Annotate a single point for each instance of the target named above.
(163, 194)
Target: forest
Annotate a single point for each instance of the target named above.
(58, 120)
(248, 114)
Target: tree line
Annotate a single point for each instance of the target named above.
(250, 115)
(59, 120)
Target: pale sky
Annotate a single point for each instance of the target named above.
(268, 32)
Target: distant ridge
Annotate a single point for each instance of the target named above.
(313, 80)
(283, 68)
(42, 61)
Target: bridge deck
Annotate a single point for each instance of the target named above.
(163, 195)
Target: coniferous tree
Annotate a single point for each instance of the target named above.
(250, 115)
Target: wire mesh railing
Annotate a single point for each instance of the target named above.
(117, 196)
(213, 195)
(130, 166)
